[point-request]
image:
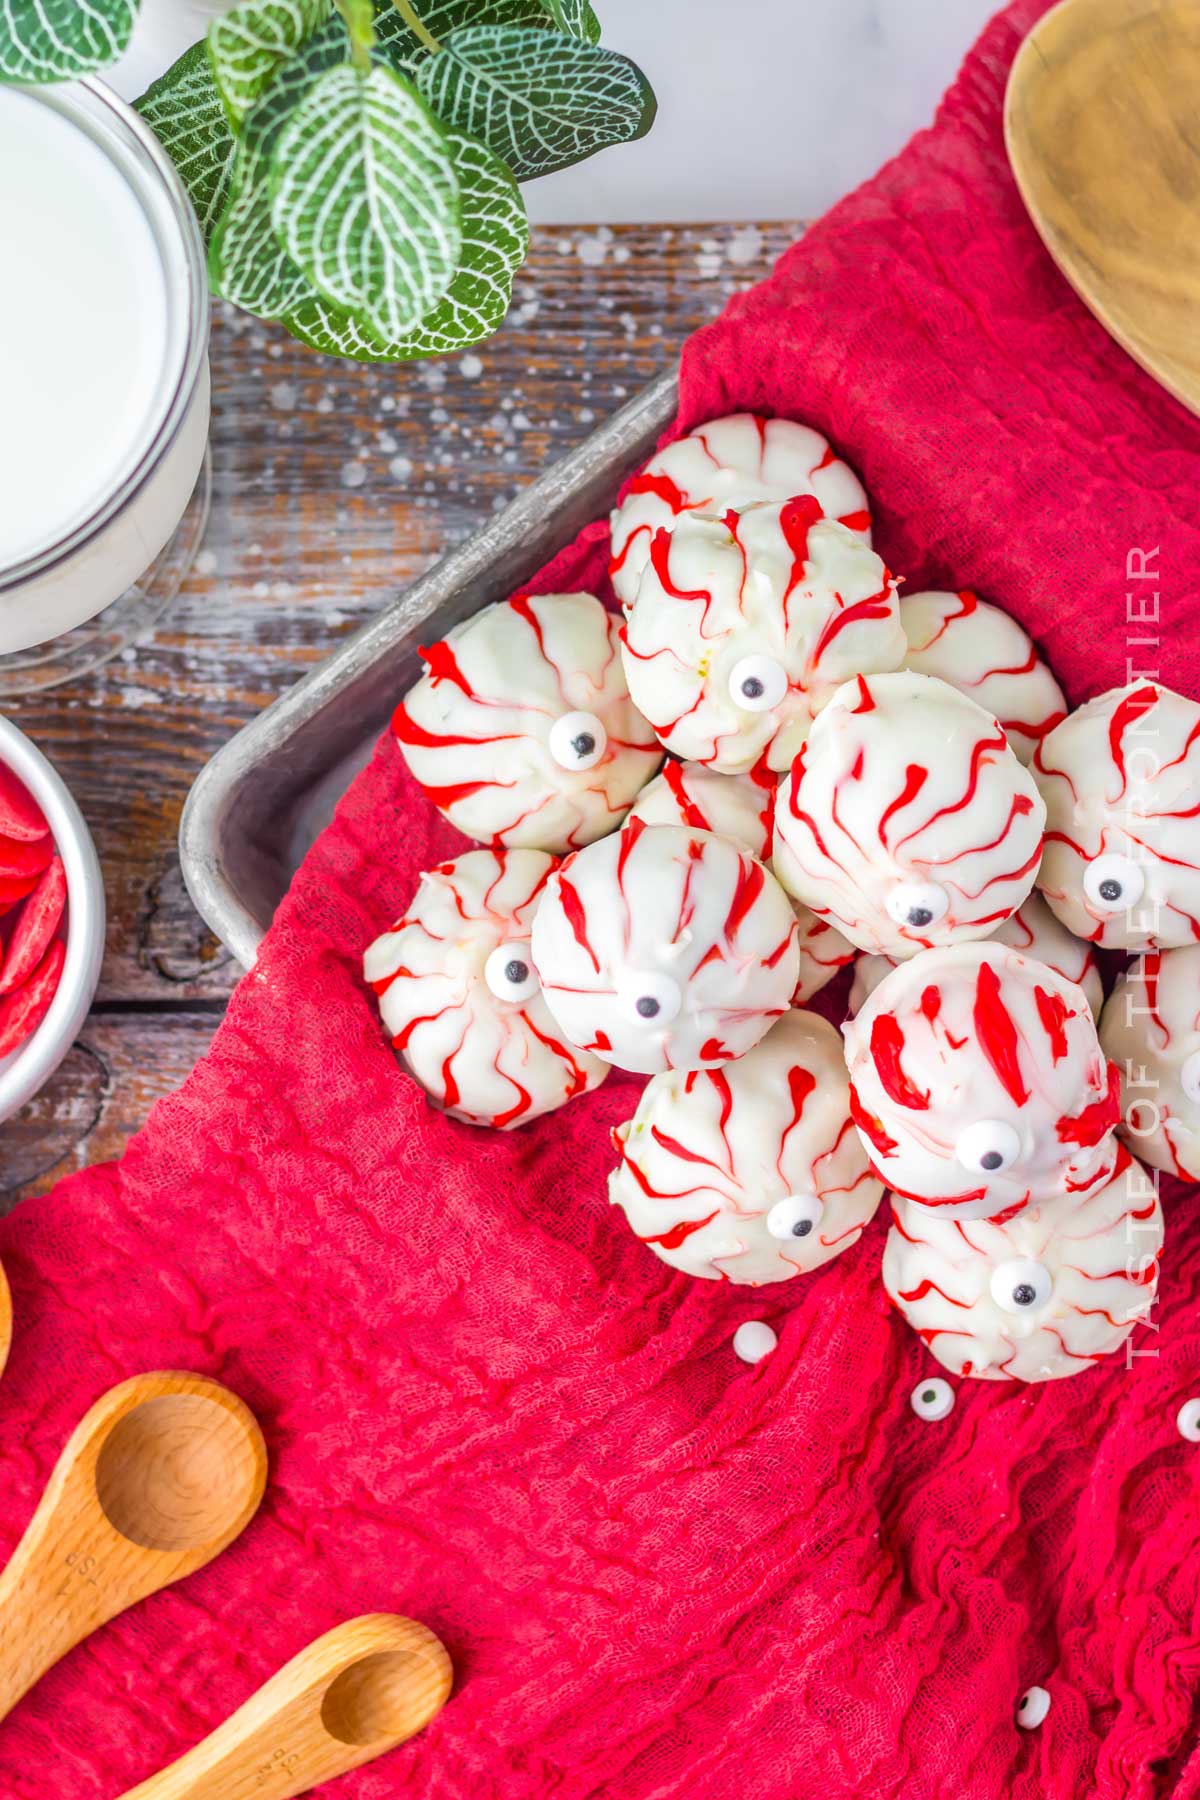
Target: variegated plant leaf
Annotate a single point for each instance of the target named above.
(247, 264)
(56, 40)
(404, 48)
(183, 108)
(575, 17)
(365, 199)
(247, 45)
(540, 100)
(495, 240)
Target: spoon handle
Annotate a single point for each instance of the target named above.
(360, 1690)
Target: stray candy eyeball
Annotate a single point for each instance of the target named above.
(932, 1399)
(522, 731)
(744, 626)
(748, 1173)
(978, 1083)
(1121, 779)
(665, 948)
(460, 997)
(1043, 1295)
(738, 461)
(1032, 1708)
(908, 823)
(1150, 1028)
(753, 1340)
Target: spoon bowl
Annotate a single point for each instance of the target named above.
(157, 1479)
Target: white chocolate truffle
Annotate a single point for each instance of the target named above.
(733, 462)
(1150, 1028)
(664, 948)
(1121, 782)
(738, 807)
(753, 1172)
(521, 731)
(908, 822)
(1047, 1294)
(978, 1083)
(741, 808)
(744, 626)
(987, 656)
(460, 997)
(1035, 932)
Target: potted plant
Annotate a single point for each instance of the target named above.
(355, 166)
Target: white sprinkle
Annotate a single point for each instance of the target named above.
(593, 248)
(471, 367)
(754, 1340)
(563, 246)
(324, 404)
(1032, 1708)
(283, 396)
(745, 246)
(132, 698)
(708, 263)
(401, 467)
(522, 422)
(387, 442)
(206, 562)
(353, 474)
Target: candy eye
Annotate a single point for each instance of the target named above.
(932, 1399)
(1021, 1286)
(649, 999)
(988, 1147)
(757, 683)
(510, 974)
(917, 903)
(578, 740)
(1189, 1077)
(1113, 883)
(795, 1217)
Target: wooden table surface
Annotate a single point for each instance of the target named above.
(334, 484)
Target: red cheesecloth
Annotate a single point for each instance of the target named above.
(660, 1573)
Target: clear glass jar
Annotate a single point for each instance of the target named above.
(70, 604)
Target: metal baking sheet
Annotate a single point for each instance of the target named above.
(258, 805)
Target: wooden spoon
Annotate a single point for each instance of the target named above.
(159, 1477)
(5, 1319)
(358, 1691)
(1100, 120)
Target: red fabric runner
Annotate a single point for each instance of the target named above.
(660, 1573)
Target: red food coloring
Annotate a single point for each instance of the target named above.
(887, 1047)
(930, 1287)
(407, 730)
(679, 1234)
(930, 1003)
(662, 487)
(1054, 1012)
(915, 778)
(576, 917)
(855, 521)
(660, 561)
(1132, 707)
(689, 811)
(750, 882)
(442, 665)
(871, 1127)
(997, 1034)
(36, 925)
(1093, 1124)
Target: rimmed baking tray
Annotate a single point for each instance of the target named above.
(257, 806)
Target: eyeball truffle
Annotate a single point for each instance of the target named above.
(753, 1172)
(987, 656)
(459, 994)
(1121, 782)
(908, 822)
(733, 462)
(521, 731)
(1044, 1295)
(1035, 932)
(741, 808)
(744, 626)
(979, 1086)
(665, 948)
(1150, 1028)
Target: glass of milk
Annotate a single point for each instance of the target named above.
(104, 389)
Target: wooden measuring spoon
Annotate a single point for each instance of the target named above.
(5, 1319)
(161, 1474)
(1100, 123)
(360, 1690)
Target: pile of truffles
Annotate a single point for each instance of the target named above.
(770, 766)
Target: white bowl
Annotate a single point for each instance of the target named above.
(25, 1070)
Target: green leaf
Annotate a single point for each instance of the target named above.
(247, 264)
(540, 100)
(404, 50)
(495, 240)
(247, 46)
(184, 110)
(365, 199)
(56, 40)
(576, 18)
